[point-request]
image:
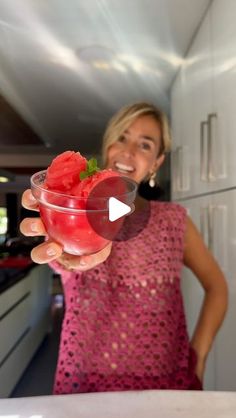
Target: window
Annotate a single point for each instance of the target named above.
(3, 223)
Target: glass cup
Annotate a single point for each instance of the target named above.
(81, 224)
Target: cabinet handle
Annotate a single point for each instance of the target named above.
(180, 168)
(183, 179)
(210, 168)
(217, 231)
(177, 169)
(210, 228)
(203, 152)
(204, 225)
(174, 170)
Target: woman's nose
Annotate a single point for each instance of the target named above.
(129, 149)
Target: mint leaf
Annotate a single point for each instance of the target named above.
(92, 164)
(83, 175)
(91, 169)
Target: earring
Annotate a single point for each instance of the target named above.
(152, 181)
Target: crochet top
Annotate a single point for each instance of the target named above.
(124, 326)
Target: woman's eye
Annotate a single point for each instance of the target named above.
(145, 146)
(121, 138)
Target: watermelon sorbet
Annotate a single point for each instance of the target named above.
(73, 197)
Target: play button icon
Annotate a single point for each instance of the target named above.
(117, 209)
(109, 203)
(111, 212)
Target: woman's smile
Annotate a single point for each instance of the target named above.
(124, 168)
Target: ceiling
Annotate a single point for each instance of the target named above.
(67, 66)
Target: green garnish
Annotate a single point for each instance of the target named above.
(91, 169)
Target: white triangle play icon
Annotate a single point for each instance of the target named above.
(117, 209)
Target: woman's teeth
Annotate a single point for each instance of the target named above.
(123, 168)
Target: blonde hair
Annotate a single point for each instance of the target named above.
(128, 114)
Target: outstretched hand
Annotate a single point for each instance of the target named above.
(51, 250)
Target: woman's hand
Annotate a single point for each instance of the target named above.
(200, 369)
(51, 250)
(85, 262)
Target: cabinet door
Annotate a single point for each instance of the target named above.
(224, 94)
(191, 103)
(193, 294)
(198, 102)
(208, 102)
(179, 176)
(223, 211)
(198, 210)
(214, 215)
(176, 115)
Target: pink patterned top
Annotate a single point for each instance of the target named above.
(124, 326)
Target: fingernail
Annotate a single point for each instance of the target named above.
(34, 227)
(32, 198)
(51, 251)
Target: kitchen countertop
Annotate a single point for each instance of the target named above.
(142, 404)
(12, 270)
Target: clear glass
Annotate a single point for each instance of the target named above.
(81, 225)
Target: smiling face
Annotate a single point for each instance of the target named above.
(136, 153)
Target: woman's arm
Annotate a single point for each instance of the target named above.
(201, 262)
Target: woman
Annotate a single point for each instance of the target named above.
(124, 326)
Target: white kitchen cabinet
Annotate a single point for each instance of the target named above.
(190, 105)
(214, 215)
(24, 322)
(180, 161)
(223, 32)
(198, 210)
(177, 132)
(223, 210)
(204, 122)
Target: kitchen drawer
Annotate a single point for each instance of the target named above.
(13, 324)
(14, 366)
(13, 294)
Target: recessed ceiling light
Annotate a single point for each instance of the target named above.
(6, 176)
(3, 179)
